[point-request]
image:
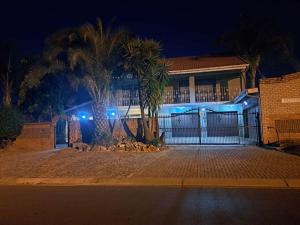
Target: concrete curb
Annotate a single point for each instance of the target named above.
(167, 182)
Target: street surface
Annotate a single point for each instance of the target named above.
(87, 205)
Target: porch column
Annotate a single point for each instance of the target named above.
(192, 89)
(243, 80)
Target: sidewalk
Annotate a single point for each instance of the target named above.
(179, 166)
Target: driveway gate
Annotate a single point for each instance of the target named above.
(209, 127)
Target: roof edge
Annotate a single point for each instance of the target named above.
(210, 69)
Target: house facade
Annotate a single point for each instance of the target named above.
(205, 102)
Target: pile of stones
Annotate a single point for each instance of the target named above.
(124, 145)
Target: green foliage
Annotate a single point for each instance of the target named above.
(156, 142)
(253, 40)
(42, 103)
(11, 123)
(143, 60)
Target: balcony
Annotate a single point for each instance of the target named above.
(172, 96)
(213, 94)
(181, 95)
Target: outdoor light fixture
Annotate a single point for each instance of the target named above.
(111, 113)
(83, 116)
(203, 109)
(245, 103)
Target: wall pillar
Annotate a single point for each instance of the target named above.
(243, 80)
(192, 89)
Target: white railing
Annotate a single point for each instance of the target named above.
(215, 94)
(181, 95)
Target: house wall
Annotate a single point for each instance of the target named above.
(280, 108)
(36, 136)
(234, 87)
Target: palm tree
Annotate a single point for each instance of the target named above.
(96, 56)
(143, 60)
(252, 40)
(90, 55)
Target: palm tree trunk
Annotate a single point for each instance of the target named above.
(156, 125)
(101, 122)
(148, 136)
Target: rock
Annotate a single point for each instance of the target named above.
(124, 145)
(81, 147)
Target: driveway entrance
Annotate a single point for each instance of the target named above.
(200, 127)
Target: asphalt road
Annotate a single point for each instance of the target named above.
(87, 205)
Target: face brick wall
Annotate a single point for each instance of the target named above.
(36, 136)
(280, 108)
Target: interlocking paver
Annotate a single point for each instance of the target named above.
(224, 162)
(177, 162)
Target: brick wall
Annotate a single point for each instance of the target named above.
(280, 108)
(37, 136)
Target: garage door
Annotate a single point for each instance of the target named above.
(222, 124)
(185, 125)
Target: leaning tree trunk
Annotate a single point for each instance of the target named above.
(252, 71)
(102, 130)
(148, 136)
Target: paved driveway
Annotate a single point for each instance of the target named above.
(224, 162)
(179, 162)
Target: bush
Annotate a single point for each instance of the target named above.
(11, 123)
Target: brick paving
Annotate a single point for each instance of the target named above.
(224, 162)
(177, 162)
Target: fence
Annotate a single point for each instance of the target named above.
(198, 127)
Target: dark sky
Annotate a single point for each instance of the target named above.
(184, 28)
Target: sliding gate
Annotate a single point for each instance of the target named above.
(203, 127)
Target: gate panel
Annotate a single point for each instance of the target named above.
(184, 125)
(193, 127)
(222, 124)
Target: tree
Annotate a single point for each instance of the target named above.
(252, 40)
(143, 60)
(89, 55)
(11, 72)
(97, 56)
(48, 99)
(11, 123)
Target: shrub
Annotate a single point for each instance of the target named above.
(156, 142)
(11, 123)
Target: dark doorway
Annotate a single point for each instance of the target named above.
(61, 134)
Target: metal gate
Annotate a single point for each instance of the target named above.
(208, 127)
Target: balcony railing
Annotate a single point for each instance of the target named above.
(213, 94)
(172, 96)
(182, 95)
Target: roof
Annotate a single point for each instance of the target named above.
(193, 64)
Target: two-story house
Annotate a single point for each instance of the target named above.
(199, 104)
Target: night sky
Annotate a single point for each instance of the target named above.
(185, 28)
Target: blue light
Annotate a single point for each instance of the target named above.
(203, 109)
(245, 103)
(83, 116)
(111, 113)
